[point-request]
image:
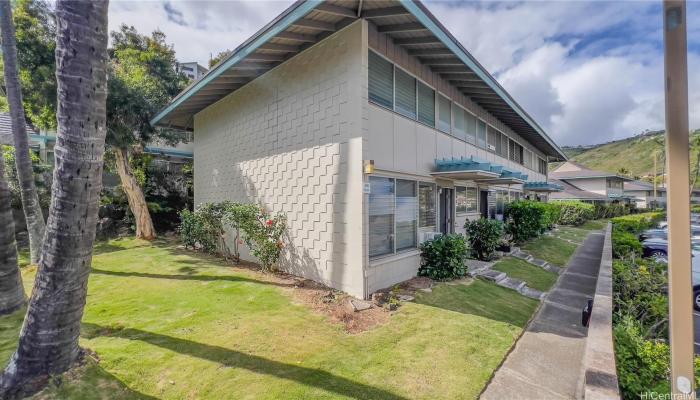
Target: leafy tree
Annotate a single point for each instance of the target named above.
(23, 161)
(35, 30)
(217, 58)
(48, 342)
(142, 80)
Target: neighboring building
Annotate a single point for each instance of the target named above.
(43, 144)
(192, 70)
(585, 184)
(642, 194)
(369, 134)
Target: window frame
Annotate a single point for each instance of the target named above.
(417, 182)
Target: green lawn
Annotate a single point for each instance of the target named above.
(553, 250)
(170, 324)
(594, 225)
(535, 277)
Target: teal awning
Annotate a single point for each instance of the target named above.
(543, 187)
(472, 168)
(466, 168)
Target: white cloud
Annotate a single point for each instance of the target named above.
(586, 71)
(197, 29)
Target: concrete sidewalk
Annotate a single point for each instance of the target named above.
(547, 360)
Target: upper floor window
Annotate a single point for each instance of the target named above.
(460, 129)
(444, 114)
(426, 104)
(481, 133)
(515, 152)
(542, 166)
(381, 81)
(405, 95)
(493, 139)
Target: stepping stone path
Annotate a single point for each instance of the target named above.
(483, 269)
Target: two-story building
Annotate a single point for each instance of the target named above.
(585, 184)
(644, 195)
(370, 126)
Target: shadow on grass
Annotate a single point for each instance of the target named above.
(235, 359)
(187, 277)
(483, 299)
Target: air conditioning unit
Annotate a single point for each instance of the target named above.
(431, 235)
(491, 147)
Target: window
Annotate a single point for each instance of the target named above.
(460, 130)
(527, 158)
(405, 94)
(481, 133)
(501, 198)
(504, 146)
(515, 152)
(427, 205)
(493, 139)
(465, 199)
(381, 216)
(426, 105)
(461, 199)
(444, 114)
(471, 199)
(406, 214)
(542, 167)
(470, 123)
(381, 81)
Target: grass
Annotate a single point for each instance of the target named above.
(170, 324)
(554, 251)
(595, 225)
(535, 277)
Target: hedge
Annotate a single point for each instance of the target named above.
(525, 219)
(574, 212)
(636, 223)
(484, 235)
(443, 258)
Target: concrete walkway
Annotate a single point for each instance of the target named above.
(547, 360)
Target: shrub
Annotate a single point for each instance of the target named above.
(625, 244)
(574, 212)
(204, 227)
(695, 208)
(525, 219)
(552, 213)
(262, 233)
(443, 257)
(636, 223)
(643, 365)
(484, 236)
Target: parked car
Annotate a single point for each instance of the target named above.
(662, 233)
(695, 264)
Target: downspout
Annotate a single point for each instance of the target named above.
(359, 9)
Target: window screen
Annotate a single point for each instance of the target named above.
(493, 139)
(481, 133)
(461, 199)
(381, 81)
(426, 105)
(471, 127)
(472, 199)
(426, 205)
(406, 214)
(405, 94)
(460, 130)
(444, 114)
(504, 146)
(381, 216)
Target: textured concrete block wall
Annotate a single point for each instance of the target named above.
(291, 141)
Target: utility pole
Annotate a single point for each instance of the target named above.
(680, 294)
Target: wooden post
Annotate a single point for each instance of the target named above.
(654, 180)
(680, 292)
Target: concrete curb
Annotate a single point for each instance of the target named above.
(599, 371)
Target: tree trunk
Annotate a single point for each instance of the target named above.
(23, 159)
(134, 194)
(48, 342)
(11, 290)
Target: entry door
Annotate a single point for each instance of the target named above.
(446, 210)
(484, 203)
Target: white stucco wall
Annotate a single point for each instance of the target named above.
(291, 140)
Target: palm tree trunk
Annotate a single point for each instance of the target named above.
(48, 342)
(23, 159)
(134, 195)
(11, 291)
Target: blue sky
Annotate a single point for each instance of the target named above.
(587, 71)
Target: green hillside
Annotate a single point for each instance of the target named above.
(635, 154)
